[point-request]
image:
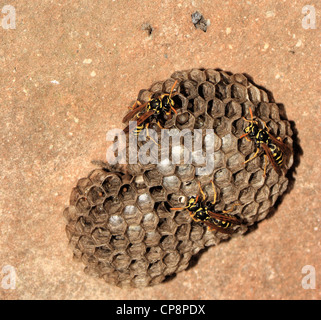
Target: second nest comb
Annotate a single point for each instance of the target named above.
(120, 222)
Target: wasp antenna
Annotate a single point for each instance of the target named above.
(246, 119)
(174, 109)
(173, 88)
(214, 200)
(265, 125)
(251, 113)
(243, 135)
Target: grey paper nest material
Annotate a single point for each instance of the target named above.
(119, 221)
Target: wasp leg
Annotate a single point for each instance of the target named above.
(169, 114)
(203, 194)
(192, 215)
(245, 135)
(158, 123)
(255, 155)
(135, 105)
(147, 133)
(265, 125)
(265, 165)
(251, 113)
(214, 201)
(232, 209)
(246, 119)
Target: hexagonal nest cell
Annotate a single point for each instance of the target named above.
(120, 223)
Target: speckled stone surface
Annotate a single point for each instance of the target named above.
(70, 70)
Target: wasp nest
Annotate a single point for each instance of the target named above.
(120, 223)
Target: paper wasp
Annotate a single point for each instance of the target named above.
(202, 211)
(155, 108)
(274, 148)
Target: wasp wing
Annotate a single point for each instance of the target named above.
(224, 217)
(211, 226)
(141, 119)
(132, 113)
(286, 150)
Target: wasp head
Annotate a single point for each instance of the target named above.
(252, 129)
(167, 103)
(192, 204)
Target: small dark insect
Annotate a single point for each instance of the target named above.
(274, 148)
(204, 212)
(155, 108)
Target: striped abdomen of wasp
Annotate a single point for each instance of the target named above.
(139, 127)
(142, 126)
(203, 211)
(274, 149)
(155, 108)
